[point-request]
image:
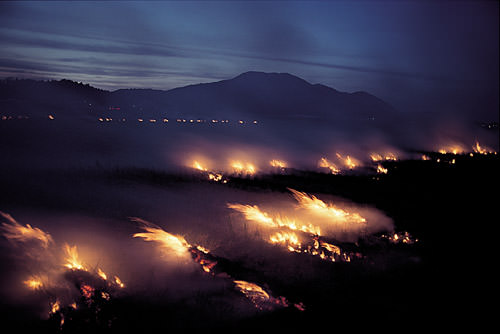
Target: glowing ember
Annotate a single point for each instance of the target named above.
(72, 261)
(401, 237)
(55, 306)
(170, 242)
(87, 291)
(202, 257)
(381, 169)
(325, 163)
(34, 283)
(278, 163)
(317, 206)
(12, 230)
(215, 177)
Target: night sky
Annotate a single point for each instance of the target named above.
(417, 55)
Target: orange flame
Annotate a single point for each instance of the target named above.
(482, 150)
(102, 274)
(381, 169)
(55, 306)
(278, 163)
(17, 232)
(376, 157)
(176, 244)
(34, 283)
(325, 163)
(243, 168)
(72, 261)
(317, 206)
(119, 282)
(348, 161)
(198, 166)
(253, 213)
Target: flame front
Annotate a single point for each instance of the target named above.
(317, 206)
(243, 168)
(170, 242)
(278, 163)
(348, 161)
(72, 261)
(376, 157)
(325, 163)
(481, 149)
(12, 230)
(253, 213)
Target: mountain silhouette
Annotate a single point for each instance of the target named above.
(252, 95)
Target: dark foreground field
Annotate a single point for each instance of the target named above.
(442, 281)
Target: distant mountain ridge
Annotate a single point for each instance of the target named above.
(251, 94)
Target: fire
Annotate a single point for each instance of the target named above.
(381, 169)
(243, 168)
(348, 161)
(376, 157)
(317, 206)
(34, 283)
(401, 237)
(325, 163)
(481, 150)
(253, 213)
(278, 163)
(198, 166)
(202, 256)
(252, 291)
(119, 282)
(102, 274)
(176, 244)
(12, 230)
(55, 306)
(289, 239)
(87, 291)
(215, 177)
(72, 261)
(263, 299)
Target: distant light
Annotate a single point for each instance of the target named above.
(51, 117)
(240, 121)
(254, 122)
(165, 120)
(140, 120)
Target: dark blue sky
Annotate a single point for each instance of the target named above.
(417, 55)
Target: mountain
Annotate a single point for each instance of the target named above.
(252, 94)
